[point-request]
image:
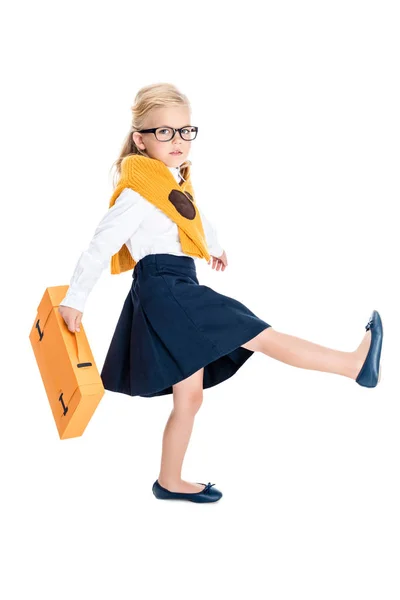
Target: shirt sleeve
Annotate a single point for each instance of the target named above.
(210, 231)
(115, 228)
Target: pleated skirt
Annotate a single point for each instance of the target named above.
(171, 326)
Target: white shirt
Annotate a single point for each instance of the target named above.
(139, 224)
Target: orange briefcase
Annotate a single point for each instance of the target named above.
(72, 382)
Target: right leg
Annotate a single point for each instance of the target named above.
(188, 397)
(304, 354)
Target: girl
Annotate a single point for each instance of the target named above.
(175, 336)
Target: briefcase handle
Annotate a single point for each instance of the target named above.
(79, 349)
(79, 344)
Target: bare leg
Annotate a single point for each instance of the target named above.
(303, 354)
(188, 397)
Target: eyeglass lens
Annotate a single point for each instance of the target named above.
(163, 134)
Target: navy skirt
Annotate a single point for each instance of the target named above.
(171, 326)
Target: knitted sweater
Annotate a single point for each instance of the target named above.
(144, 228)
(152, 179)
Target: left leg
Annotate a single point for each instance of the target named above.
(187, 397)
(303, 354)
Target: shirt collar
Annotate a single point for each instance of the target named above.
(175, 173)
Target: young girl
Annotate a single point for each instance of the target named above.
(174, 335)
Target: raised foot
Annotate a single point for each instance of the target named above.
(361, 355)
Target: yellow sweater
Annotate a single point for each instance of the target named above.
(152, 179)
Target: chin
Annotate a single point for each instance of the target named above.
(175, 161)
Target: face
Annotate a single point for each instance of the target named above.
(173, 116)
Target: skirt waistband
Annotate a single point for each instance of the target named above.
(183, 263)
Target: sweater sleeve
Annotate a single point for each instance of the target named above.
(115, 228)
(210, 231)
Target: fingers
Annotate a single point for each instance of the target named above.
(218, 263)
(71, 317)
(74, 325)
(71, 324)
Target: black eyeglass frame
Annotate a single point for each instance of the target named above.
(154, 129)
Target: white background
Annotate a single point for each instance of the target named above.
(297, 165)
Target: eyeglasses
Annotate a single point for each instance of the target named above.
(165, 134)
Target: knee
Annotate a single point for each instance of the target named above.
(188, 403)
(258, 343)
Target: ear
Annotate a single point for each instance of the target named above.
(138, 139)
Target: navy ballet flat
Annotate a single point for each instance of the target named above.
(209, 494)
(370, 375)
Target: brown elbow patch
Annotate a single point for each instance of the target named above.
(183, 205)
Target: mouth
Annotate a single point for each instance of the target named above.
(176, 153)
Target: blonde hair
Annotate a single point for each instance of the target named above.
(147, 98)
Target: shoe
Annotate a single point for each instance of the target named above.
(369, 375)
(206, 495)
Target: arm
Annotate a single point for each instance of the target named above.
(115, 228)
(214, 248)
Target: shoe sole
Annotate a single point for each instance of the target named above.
(380, 361)
(189, 500)
(380, 366)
